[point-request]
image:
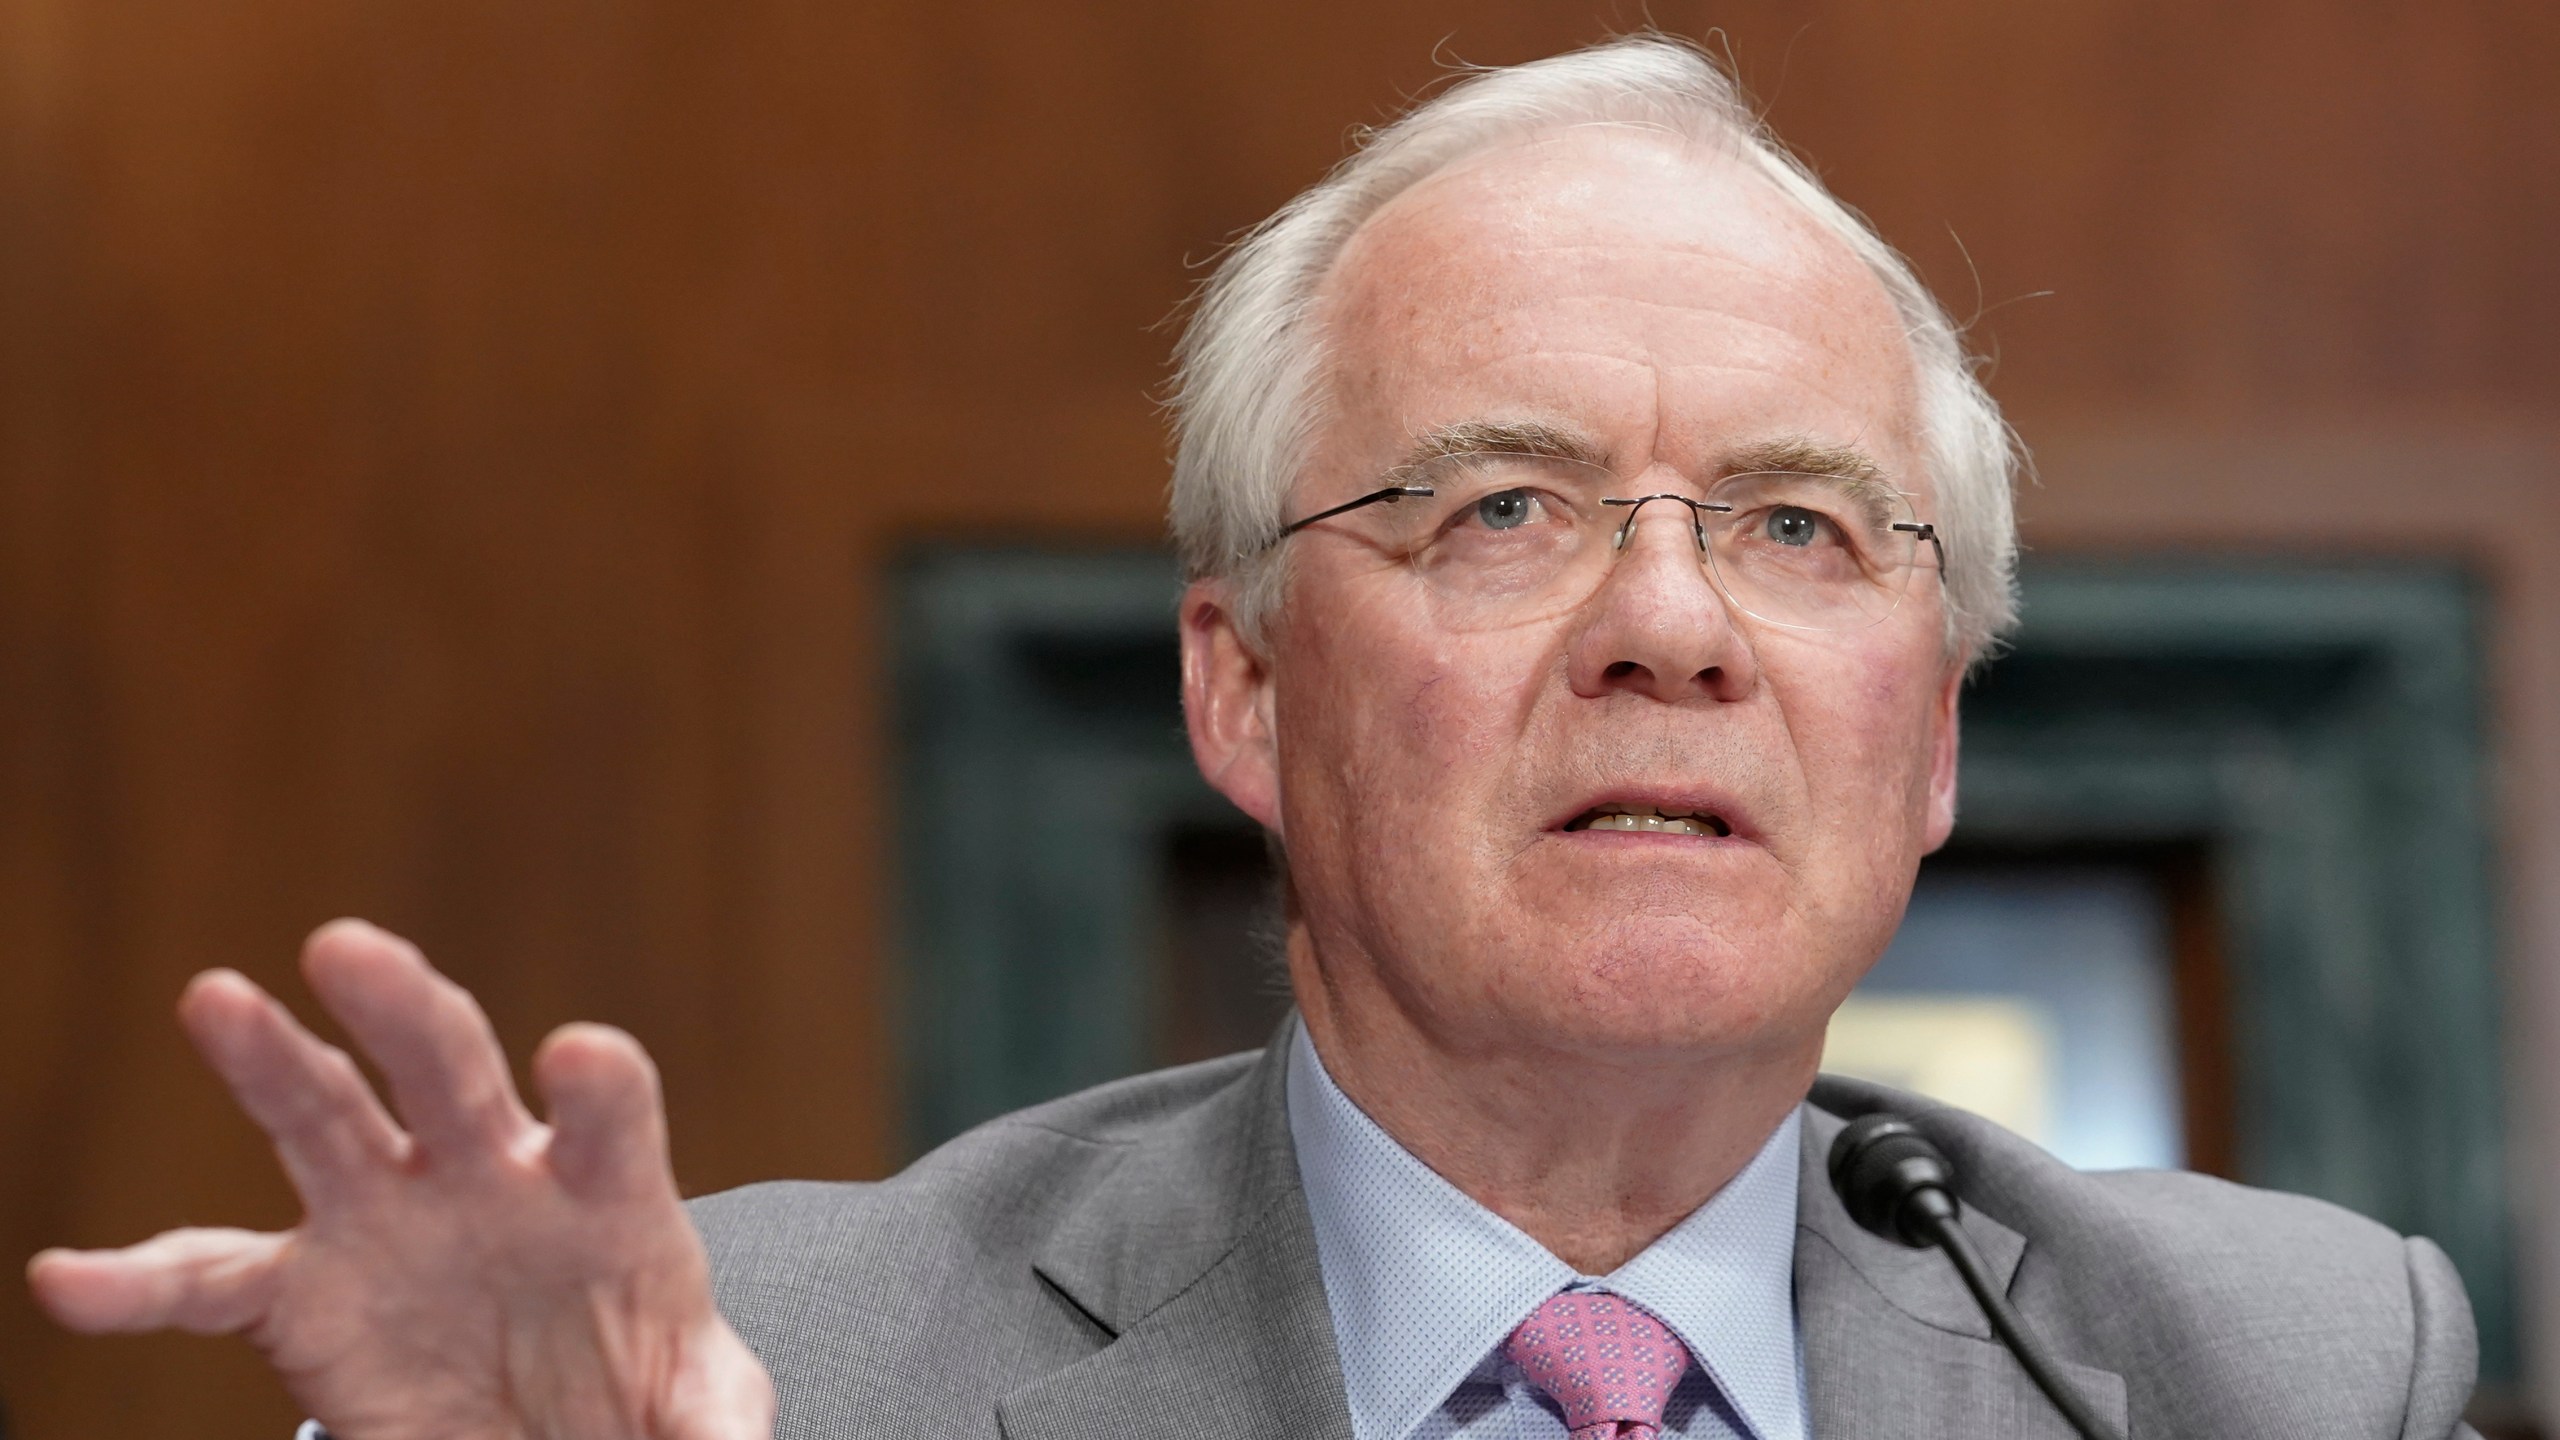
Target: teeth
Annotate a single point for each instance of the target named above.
(1655, 823)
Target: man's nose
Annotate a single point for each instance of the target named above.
(1658, 626)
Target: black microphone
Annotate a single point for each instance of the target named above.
(1898, 1185)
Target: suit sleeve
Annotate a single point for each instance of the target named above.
(2444, 1359)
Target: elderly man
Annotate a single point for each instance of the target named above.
(1591, 526)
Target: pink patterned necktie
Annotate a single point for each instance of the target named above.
(1608, 1363)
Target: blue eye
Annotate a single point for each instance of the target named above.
(1504, 509)
(1794, 525)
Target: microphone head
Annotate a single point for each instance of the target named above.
(1880, 1165)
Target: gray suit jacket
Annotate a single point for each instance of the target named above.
(1138, 1260)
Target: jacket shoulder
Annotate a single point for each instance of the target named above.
(985, 1192)
(2165, 1228)
(2214, 1299)
(919, 1291)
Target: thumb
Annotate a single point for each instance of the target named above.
(209, 1281)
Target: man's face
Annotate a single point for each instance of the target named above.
(1432, 782)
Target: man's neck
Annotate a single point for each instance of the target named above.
(1594, 1157)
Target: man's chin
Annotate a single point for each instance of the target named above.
(1658, 987)
(1700, 930)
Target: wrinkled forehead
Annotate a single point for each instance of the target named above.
(1649, 286)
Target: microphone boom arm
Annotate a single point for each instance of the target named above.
(1897, 1184)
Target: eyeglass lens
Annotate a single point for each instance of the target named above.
(1507, 539)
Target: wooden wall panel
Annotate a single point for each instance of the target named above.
(448, 453)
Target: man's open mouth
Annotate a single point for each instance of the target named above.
(1650, 820)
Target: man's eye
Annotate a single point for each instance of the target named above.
(1505, 509)
(1794, 525)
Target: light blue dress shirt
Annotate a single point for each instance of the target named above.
(1425, 1285)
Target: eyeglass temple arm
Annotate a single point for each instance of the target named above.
(1928, 532)
(1390, 493)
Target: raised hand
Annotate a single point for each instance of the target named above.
(477, 1275)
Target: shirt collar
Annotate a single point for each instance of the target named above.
(1423, 1282)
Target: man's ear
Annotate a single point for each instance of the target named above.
(1941, 820)
(1227, 704)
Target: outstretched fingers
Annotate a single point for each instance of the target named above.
(609, 1126)
(448, 1076)
(208, 1281)
(329, 1129)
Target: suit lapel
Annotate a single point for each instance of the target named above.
(1197, 1259)
(1894, 1346)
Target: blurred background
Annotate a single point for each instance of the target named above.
(660, 502)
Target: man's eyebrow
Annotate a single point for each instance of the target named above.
(1856, 471)
(1797, 456)
(1503, 437)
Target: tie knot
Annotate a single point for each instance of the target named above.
(1610, 1364)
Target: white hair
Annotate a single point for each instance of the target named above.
(1247, 393)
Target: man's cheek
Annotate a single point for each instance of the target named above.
(1873, 800)
(1890, 734)
(1445, 709)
